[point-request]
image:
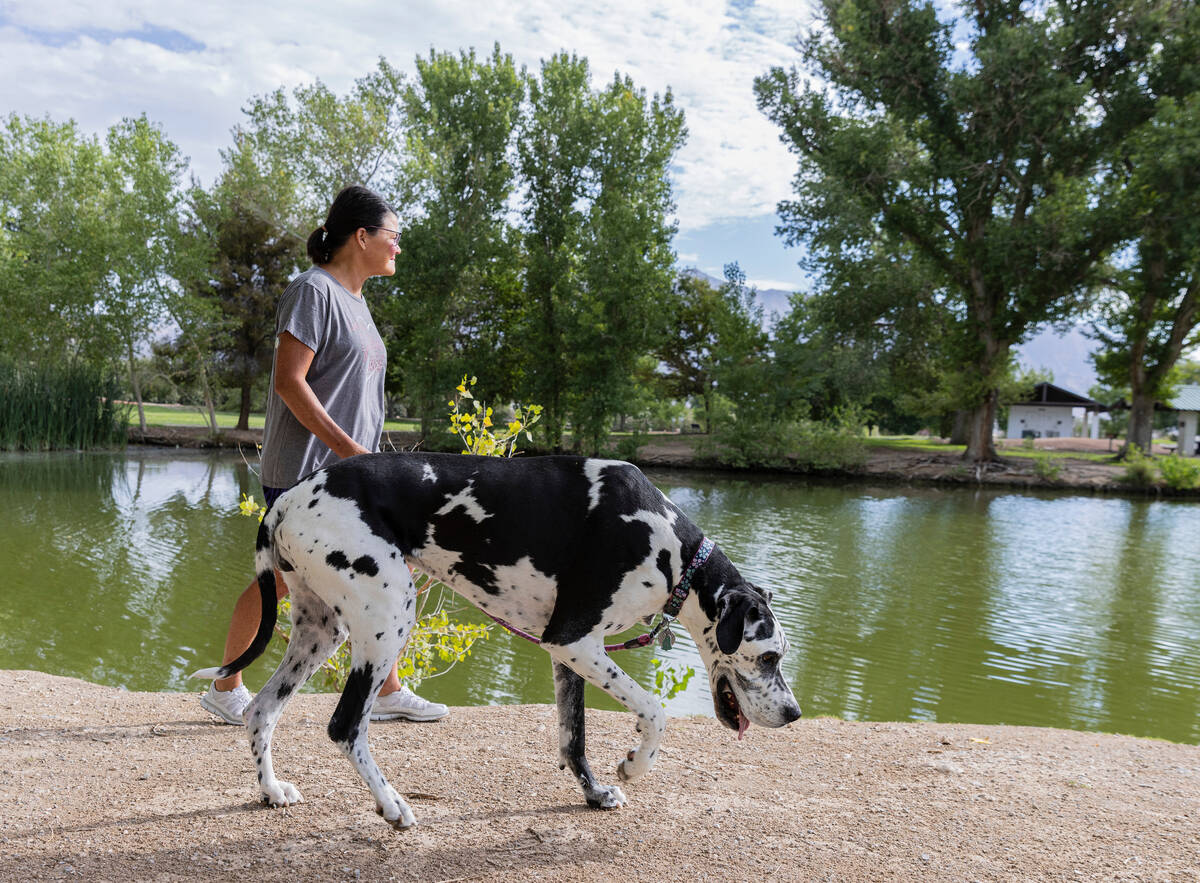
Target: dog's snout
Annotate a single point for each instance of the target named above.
(792, 713)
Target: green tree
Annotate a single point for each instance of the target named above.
(983, 158)
(686, 349)
(252, 259)
(625, 255)
(1150, 313)
(456, 282)
(324, 142)
(144, 238)
(53, 246)
(554, 154)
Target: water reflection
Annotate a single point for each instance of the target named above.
(900, 603)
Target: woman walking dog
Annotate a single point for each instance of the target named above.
(325, 403)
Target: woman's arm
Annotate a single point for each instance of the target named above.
(292, 360)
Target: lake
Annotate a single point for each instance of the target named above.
(900, 603)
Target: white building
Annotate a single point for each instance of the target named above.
(1186, 403)
(1049, 412)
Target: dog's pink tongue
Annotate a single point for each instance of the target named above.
(743, 725)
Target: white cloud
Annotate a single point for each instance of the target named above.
(98, 63)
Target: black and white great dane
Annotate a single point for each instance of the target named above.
(566, 547)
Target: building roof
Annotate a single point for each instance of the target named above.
(1186, 399)
(1049, 394)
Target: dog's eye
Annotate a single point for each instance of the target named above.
(770, 660)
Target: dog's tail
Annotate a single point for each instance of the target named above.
(264, 563)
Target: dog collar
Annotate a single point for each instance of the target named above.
(680, 592)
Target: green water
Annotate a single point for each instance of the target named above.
(900, 603)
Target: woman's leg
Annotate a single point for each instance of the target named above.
(247, 614)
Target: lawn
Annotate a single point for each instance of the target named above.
(919, 443)
(184, 415)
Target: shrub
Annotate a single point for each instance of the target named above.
(798, 444)
(1046, 469)
(1139, 468)
(1180, 473)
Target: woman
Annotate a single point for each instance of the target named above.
(325, 402)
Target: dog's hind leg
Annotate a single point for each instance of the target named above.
(588, 659)
(568, 691)
(316, 633)
(375, 642)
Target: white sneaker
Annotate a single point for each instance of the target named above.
(406, 704)
(228, 705)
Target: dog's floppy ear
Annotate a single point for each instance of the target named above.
(731, 622)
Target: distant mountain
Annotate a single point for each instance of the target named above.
(1065, 355)
(773, 300)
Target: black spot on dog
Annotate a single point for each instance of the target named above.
(285, 690)
(352, 707)
(313, 502)
(365, 565)
(378, 635)
(337, 560)
(337, 610)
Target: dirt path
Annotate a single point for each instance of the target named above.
(100, 784)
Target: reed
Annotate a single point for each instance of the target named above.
(55, 407)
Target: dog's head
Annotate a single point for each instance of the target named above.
(742, 649)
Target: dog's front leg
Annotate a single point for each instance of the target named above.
(568, 691)
(588, 659)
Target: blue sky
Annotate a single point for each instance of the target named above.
(191, 67)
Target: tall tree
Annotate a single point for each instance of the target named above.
(252, 260)
(456, 277)
(554, 154)
(982, 157)
(325, 142)
(53, 246)
(1150, 313)
(686, 349)
(145, 200)
(625, 255)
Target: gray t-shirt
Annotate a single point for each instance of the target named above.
(346, 374)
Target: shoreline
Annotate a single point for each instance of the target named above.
(883, 464)
(102, 784)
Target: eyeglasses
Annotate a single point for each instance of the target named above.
(395, 233)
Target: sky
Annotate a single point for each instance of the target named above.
(191, 67)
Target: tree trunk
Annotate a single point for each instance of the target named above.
(244, 413)
(208, 397)
(136, 388)
(958, 429)
(1141, 422)
(981, 448)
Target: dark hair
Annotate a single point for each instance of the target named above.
(353, 208)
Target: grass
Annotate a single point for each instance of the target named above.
(185, 415)
(918, 443)
(53, 407)
(913, 443)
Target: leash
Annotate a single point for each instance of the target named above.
(670, 611)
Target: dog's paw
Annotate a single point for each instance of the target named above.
(602, 797)
(633, 767)
(279, 793)
(395, 811)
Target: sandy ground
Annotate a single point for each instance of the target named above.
(100, 784)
